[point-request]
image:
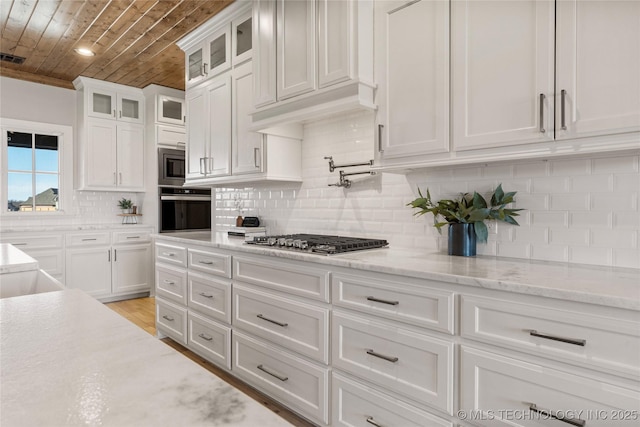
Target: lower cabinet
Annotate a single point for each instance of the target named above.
(46, 248)
(106, 269)
(498, 388)
(356, 404)
(296, 382)
(386, 350)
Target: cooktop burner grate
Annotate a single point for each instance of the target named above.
(318, 243)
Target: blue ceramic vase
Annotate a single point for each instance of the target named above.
(462, 240)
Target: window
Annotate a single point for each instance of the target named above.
(36, 166)
(32, 172)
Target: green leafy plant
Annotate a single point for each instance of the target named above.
(125, 203)
(468, 209)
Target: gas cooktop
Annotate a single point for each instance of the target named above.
(318, 243)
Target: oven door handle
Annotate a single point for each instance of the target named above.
(186, 198)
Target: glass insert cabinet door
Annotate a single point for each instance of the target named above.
(105, 104)
(171, 110)
(196, 66)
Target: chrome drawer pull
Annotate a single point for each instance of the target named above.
(88, 240)
(573, 341)
(169, 282)
(206, 262)
(170, 319)
(133, 237)
(202, 294)
(370, 420)
(168, 254)
(546, 412)
(19, 244)
(280, 377)
(205, 337)
(272, 321)
(383, 301)
(382, 356)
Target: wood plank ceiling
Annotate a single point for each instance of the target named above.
(133, 40)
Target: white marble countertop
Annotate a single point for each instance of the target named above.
(71, 227)
(65, 359)
(13, 260)
(616, 287)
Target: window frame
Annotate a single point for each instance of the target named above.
(65, 164)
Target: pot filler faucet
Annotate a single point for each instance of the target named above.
(345, 182)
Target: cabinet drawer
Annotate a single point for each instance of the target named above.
(172, 135)
(498, 385)
(210, 296)
(292, 277)
(299, 384)
(410, 363)
(131, 237)
(25, 242)
(88, 239)
(210, 262)
(301, 327)
(171, 283)
(172, 320)
(396, 300)
(170, 254)
(355, 404)
(210, 340)
(596, 341)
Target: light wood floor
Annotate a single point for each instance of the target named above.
(141, 311)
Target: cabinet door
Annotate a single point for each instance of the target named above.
(219, 52)
(101, 156)
(195, 64)
(413, 77)
(130, 155)
(241, 39)
(598, 83)
(171, 110)
(335, 39)
(264, 52)
(296, 41)
(218, 158)
(130, 108)
(131, 268)
(196, 133)
(246, 146)
(89, 269)
(502, 72)
(102, 103)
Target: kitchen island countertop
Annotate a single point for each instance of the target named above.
(65, 359)
(601, 285)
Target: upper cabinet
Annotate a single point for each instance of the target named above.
(171, 110)
(528, 79)
(109, 137)
(311, 58)
(166, 117)
(412, 72)
(225, 46)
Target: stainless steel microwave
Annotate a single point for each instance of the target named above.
(171, 167)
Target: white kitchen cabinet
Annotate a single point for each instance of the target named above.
(209, 130)
(45, 247)
(246, 146)
(510, 86)
(597, 84)
(110, 146)
(107, 265)
(171, 110)
(296, 47)
(502, 73)
(412, 71)
(220, 44)
(311, 59)
(113, 105)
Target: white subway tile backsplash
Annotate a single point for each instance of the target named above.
(576, 210)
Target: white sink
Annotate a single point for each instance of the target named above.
(27, 283)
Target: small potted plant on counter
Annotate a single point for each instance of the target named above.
(126, 205)
(465, 216)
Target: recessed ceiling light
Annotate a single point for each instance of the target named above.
(84, 52)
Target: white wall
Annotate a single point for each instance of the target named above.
(48, 104)
(577, 210)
